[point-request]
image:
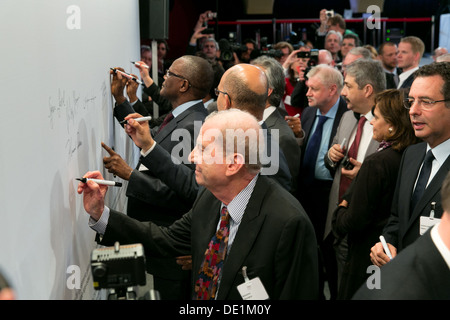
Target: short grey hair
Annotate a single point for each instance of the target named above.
(336, 33)
(368, 71)
(361, 51)
(275, 76)
(328, 76)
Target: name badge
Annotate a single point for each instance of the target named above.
(252, 289)
(427, 222)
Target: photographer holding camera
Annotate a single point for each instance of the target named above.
(307, 59)
(329, 20)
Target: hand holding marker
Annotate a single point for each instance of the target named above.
(127, 75)
(137, 119)
(137, 64)
(103, 182)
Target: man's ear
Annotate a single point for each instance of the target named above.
(234, 164)
(184, 86)
(227, 102)
(368, 90)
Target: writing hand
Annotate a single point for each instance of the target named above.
(93, 194)
(139, 132)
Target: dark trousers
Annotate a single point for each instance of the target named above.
(314, 199)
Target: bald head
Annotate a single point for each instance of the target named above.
(240, 132)
(246, 88)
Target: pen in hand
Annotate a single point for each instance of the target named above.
(385, 247)
(103, 182)
(138, 119)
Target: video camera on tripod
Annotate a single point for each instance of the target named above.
(118, 268)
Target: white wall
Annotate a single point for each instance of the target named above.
(56, 109)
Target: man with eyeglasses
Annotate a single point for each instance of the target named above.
(186, 83)
(424, 165)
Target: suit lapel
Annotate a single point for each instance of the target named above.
(248, 231)
(271, 120)
(172, 125)
(433, 188)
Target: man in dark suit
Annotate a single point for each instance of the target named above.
(187, 81)
(273, 118)
(324, 89)
(410, 51)
(429, 109)
(278, 246)
(421, 271)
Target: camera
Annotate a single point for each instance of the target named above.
(347, 164)
(228, 47)
(329, 13)
(267, 50)
(313, 57)
(208, 31)
(212, 15)
(118, 267)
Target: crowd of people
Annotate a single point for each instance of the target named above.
(355, 144)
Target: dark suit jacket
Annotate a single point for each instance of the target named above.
(149, 198)
(288, 143)
(402, 228)
(278, 246)
(370, 199)
(417, 273)
(408, 82)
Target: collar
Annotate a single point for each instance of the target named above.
(268, 111)
(237, 206)
(332, 112)
(441, 151)
(440, 245)
(406, 74)
(183, 107)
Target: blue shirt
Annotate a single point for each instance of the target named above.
(321, 172)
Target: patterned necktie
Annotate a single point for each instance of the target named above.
(311, 152)
(423, 179)
(211, 268)
(166, 121)
(352, 153)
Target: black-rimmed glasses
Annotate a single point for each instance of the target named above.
(217, 91)
(424, 103)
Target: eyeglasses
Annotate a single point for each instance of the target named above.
(217, 91)
(425, 103)
(170, 73)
